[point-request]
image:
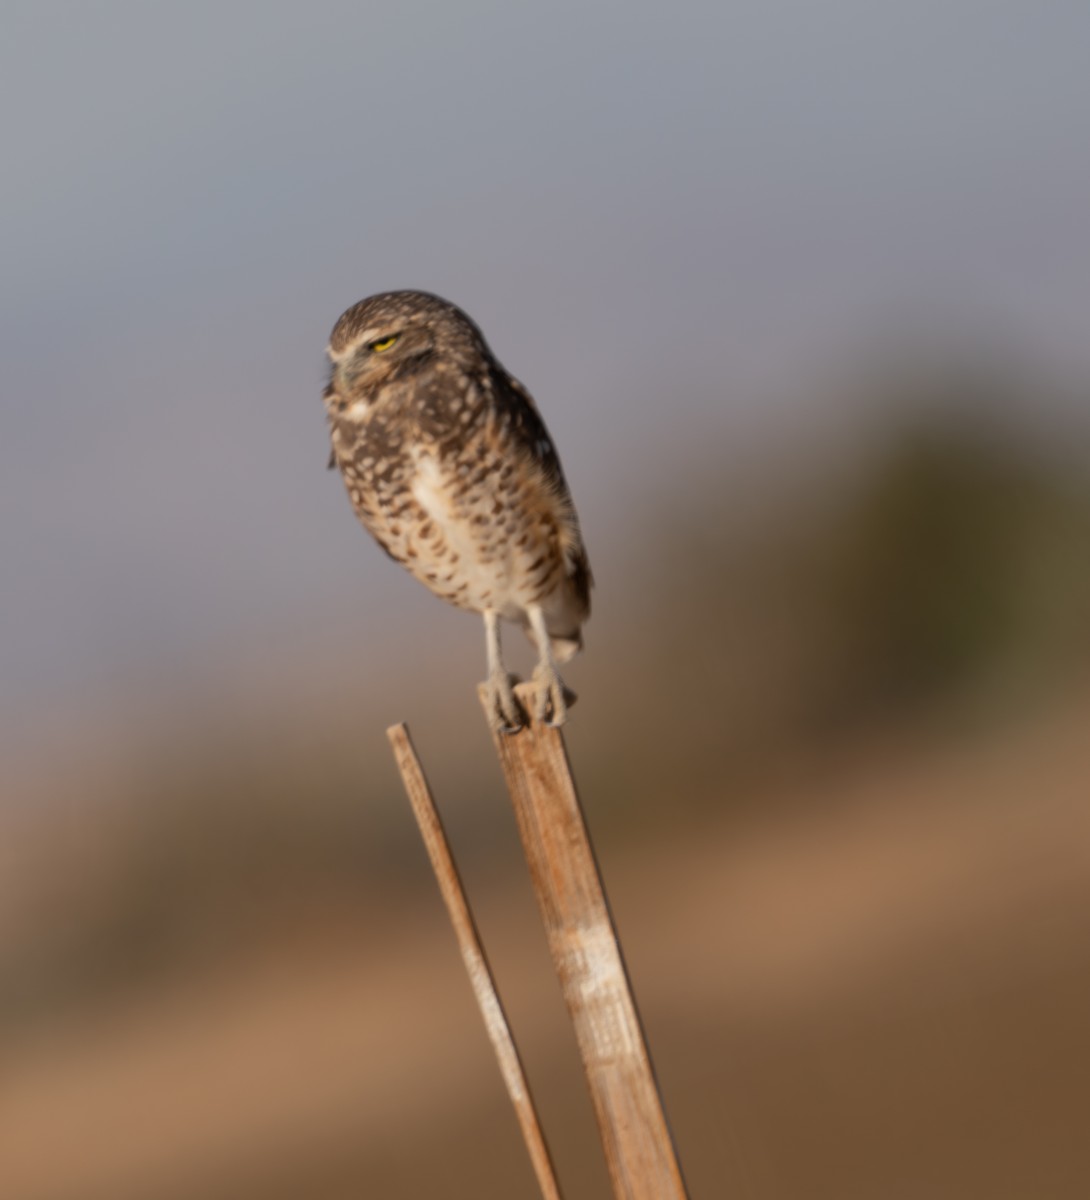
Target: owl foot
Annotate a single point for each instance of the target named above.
(504, 714)
(551, 697)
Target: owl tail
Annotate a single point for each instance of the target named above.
(565, 611)
(566, 648)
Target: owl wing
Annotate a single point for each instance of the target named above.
(528, 431)
(517, 407)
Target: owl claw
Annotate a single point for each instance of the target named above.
(504, 712)
(551, 700)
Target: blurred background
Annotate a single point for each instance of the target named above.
(802, 292)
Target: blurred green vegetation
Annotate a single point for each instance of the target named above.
(935, 575)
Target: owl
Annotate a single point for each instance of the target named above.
(450, 468)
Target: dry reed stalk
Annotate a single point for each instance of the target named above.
(473, 955)
(586, 953)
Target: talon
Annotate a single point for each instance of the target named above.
(506, 715)
(550, 706)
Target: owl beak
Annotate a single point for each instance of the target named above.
(345, 377)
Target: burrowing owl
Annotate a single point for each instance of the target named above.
(449, 466)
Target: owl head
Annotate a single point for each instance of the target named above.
(397, 336)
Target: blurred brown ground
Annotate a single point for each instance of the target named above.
(847, 844)
(885, 994)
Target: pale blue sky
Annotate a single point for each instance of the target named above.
(659, 214)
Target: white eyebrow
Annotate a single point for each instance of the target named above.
(368, 335)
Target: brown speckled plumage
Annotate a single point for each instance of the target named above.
(449, 466)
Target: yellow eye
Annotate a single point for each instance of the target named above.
(382, 344)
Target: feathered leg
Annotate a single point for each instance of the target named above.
(549, 703)
(503, 708)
